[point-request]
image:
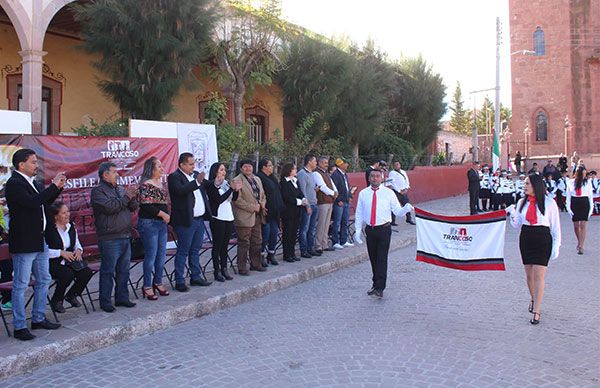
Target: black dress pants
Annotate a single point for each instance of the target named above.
(64, 276)
(289, 225)
(221, 234)
(378, 246)
(473, 199)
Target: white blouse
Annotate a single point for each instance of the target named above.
(586, 191)
(551, 219)
(66, 239)
(225, 211)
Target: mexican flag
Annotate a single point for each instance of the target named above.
(496, 152)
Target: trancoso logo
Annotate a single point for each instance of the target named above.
(458, 234)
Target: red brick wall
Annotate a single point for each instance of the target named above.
(563, 81)
(427, 183)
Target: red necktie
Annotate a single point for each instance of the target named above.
(374, 206)
(531, 215)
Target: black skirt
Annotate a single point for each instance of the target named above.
(535, 243)
(485, 193)
(580, 206)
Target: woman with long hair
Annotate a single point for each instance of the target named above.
(293, 200)
(580, 204)
(539, 241)
(153, 218)
(220, 195)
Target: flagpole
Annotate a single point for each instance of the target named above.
(496, 147)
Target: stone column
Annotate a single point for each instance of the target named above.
(32, 86)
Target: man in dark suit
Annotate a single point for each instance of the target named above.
(341, 206)
(189, 209)
(27, 200)
(473, 177)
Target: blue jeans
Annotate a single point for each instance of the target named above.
(24, 264)
(308, 229)
(189, 243)
(270, 231)
(339, 229)
(154, 238)
(116, 258)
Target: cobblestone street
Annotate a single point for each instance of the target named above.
(434, 327)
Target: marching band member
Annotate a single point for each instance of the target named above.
(506, 189)
(540, 238)
(520, 188)
(595, 190)
(496, 193)
(561, 191)
(485, 188)
(580, 204)
(550, 186)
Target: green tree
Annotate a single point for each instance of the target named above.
(247, 49)
(416, 102)
(460, 116)
(486, 116)
(146, 49)
(315, 75)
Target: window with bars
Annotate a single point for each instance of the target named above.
(541, 126)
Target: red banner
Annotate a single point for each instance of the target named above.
(79, 158)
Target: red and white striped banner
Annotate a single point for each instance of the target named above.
(468, 243)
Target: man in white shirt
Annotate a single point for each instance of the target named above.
(400, 184)
(374, 208)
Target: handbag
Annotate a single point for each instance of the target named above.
(137, 248)
(76, 265)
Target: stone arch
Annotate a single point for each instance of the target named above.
(20, 20)
(50, 10)
(541, 124)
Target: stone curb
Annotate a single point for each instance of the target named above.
(94, 340)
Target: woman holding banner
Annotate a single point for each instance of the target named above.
(539, 241)
(580, 204)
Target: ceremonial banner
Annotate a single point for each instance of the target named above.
(468, 243)
(201, 141)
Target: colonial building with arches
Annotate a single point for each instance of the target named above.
(43, 71)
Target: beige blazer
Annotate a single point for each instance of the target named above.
(243, 207)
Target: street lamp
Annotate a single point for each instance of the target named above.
(567, 130)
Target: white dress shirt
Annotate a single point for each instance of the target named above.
(199, 208)
(551, 219)
(586, 191)
(30, 180)
(225, 210)
(398, 182)
(294, 181)
(66, 239)
(322, 186)
(387, 202)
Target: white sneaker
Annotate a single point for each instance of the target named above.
(348, 244)
(337, 246)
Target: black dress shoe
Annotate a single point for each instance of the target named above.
(108, 309)
(315, 253)
(45, 324)
(289, 259)
(371, 291)
(378, 293)
(410, 222)
(259, 269)
(306, 255)
(200, 282)
(394, 224)
(263, 262)
(73, 301)
(296, 258)
(226, 274)
(273, 261)
(319, 252)
(23, 334)
(329, 249)
(57, 307)
(243, 273)
(181, 287)
(125, 303)
(219, 277)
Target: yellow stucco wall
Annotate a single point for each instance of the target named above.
(81, 98)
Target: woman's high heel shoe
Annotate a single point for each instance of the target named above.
(160, 289)
(148, 293)
(531, 306)
(535, 321)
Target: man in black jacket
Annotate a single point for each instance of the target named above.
(27, 200)
(189, 209)
(112, 206)
(341, 206)
(473, 177)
